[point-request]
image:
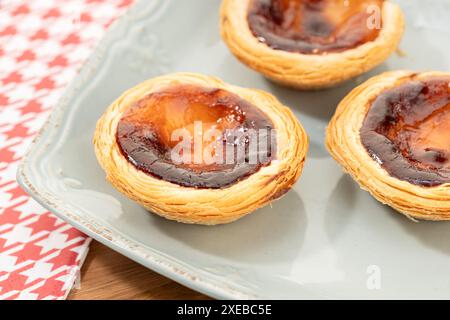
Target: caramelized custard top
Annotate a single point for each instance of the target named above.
(315, 26)
(196, 137)
(407, 130)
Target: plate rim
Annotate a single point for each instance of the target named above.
(149, 257)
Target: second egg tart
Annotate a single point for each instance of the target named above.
(194, 149)
(310, 44)
(392, 134)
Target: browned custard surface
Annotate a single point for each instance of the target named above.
(144, 135)
(407, 130)
(314, 26)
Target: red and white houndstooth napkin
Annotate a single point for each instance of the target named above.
(42, 45)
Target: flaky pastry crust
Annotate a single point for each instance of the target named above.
(308, 71)
(344, 143)
(203, 206)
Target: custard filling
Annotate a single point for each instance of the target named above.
(407, 130)
(196, 137)
(315, 26)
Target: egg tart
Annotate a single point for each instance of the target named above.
(194, 149)
(311, 44)
(392, 135)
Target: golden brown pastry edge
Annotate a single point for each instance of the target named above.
(304, 71)
(203, 206)
(344, 144)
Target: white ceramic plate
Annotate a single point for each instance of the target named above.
(325, 239)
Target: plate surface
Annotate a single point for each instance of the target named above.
(325, 239)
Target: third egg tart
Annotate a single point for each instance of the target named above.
(194, 149)
(392, 134)
(310, 44)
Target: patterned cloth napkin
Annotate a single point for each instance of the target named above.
(42, 45)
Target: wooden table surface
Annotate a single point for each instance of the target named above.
(108, 275)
